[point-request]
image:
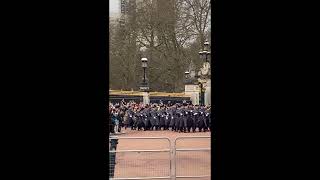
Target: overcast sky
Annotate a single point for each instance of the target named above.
(114, 6)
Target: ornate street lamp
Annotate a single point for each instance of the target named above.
(144, 62)
(205, 53)
(144, 85)
(205, 70)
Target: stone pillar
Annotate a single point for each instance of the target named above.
(193, 91)
(207, 94)
(196, 96)
(146, 97)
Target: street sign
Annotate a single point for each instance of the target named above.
(144, 88)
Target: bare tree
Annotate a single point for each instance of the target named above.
(172, 33)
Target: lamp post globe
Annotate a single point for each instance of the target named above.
(186, 77)
(206, 46)
(144, 62)
(201, 54)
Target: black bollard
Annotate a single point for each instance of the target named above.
(112, 155)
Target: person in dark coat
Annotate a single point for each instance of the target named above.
(134, 120)
(130, 117)
(126, 120)
(172, 118)
(153, 117)
(195, 119)
(208, 119)
(167, 119)
(185, 118)
(140, 123)
(162, 118)
(116, 120)
(146, 119)
(121, 117)
(157, 120)
(176, 119)
(202, 120)
(181, 119)
(111, 123)
(142, 119)
(189, 118)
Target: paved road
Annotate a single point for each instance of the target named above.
(133, 164)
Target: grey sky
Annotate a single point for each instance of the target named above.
(114, 6)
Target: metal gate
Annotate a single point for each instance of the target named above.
(192, 161)
(142, 162)
(180, 160)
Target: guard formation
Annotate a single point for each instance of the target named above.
(179, 117)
